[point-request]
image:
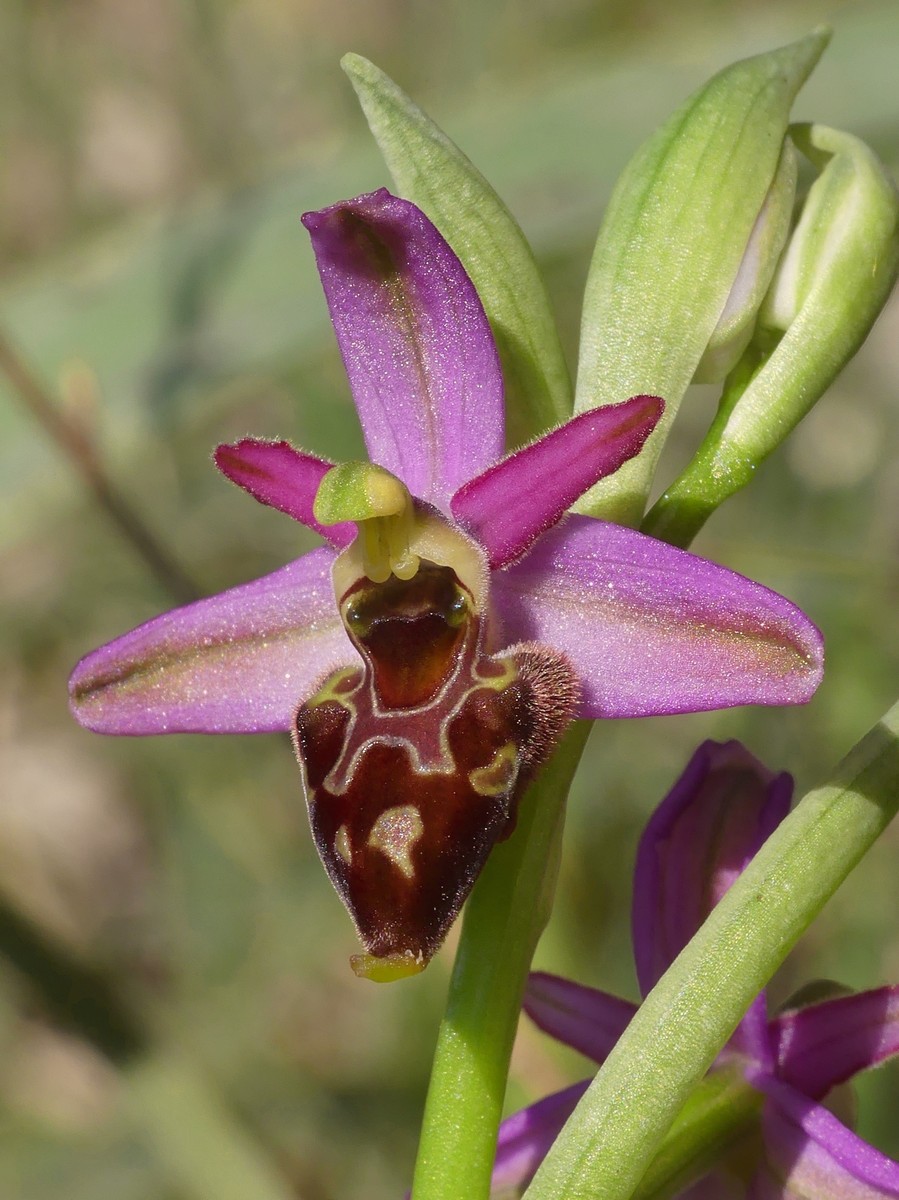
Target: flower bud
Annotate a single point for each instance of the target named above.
(682, 221)
(737, 322)
(844, 249)
(829, 288)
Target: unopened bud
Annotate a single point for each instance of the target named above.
(830, 286)
(682, 228)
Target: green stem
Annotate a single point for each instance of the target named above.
(716, 1121)
(610, 1140)
(679, 514)
(504, 917)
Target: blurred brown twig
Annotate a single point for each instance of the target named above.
(81, 452)
(77, 995)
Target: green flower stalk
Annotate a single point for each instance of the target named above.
(834, 278)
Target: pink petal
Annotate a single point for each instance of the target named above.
(510, 504)
(652, 629)
(812, 1155)
(752, 1037)
(526, 1136)
(582, 1017)
(277, 474)
(239, 662)
(415, 342)
(696, 843)
(823, 1045)
(763, 1186)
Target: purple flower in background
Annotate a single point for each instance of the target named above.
(704, 833)
(468, 593)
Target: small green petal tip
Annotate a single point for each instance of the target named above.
(356, 66)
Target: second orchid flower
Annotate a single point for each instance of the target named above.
(777, 1140)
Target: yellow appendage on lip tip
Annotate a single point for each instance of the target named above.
(381, 506)
(388, 968)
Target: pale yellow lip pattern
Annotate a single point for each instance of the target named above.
(429, 537)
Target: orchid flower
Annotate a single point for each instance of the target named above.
(428, 658)
(697, 842)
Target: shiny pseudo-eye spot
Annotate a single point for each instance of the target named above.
(395, 833)
(355, 619)
(342, 845)
(458, 610)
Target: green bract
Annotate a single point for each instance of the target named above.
(672, 243)
(432, 171)
(832, 282)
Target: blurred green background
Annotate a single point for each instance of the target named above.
(156, 156)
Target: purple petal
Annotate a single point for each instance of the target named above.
(510, 504)
(699, 839)
(277, 474)
(582, 1017)
(526, 1136)
(825, 1044)
(763, 1186)
(752, 1037)
(652, 629)
(415, 342)
(239, 662)
(814, 1156)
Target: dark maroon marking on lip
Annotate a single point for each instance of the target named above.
(413, 764)
(409, 631)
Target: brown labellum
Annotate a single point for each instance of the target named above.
(413, 763)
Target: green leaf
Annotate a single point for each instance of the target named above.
(432, 171)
